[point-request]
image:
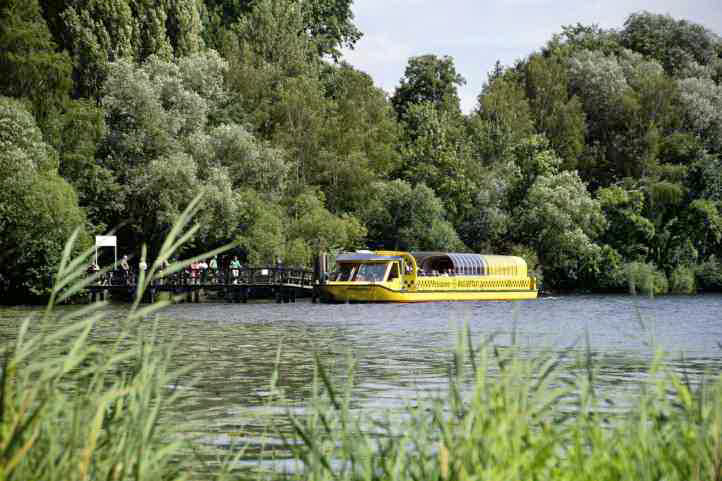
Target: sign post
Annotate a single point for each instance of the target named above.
(106, 241)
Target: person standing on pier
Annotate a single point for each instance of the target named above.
(142, 267)
(126, 269)
(213, 266)
(203, 267)
(235, 269)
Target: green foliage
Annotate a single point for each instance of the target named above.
(703, 223)
(30, 63)
(708, 274)
(323, 231)
(556, 114)
(563, 221)
(701, 101)
(676, 44)
(162, 151)
(437, 153)
(38, 209)
(628, 231)
(502, 119)
(261, 229)
(401, 217)
(328, 23)
(73, 409)
(250, 163)
(645, 278)
(428, 78)
(360, 138)
(267, 121)
(99, 32)
(682, 281)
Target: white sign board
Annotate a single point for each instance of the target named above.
(105, 241)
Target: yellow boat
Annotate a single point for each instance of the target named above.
(391, 276)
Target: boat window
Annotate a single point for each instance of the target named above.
(343, 273)
(394, 272)
(370, 273)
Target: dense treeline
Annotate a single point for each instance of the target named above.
(596, 158)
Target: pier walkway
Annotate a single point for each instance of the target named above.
(283, 284)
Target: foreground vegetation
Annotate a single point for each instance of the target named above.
(71, 409)
(531, 419)
(597, 155)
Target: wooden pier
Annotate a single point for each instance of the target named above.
(283, 284)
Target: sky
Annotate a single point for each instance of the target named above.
(477, 33)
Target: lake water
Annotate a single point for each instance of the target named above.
(403, 351)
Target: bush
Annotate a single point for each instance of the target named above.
(645, 278)
(681, 281)
(709, 274)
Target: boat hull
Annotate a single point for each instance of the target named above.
(379, 293)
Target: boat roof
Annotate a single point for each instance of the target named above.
(478, 264)
(364, 256)
(462, 262)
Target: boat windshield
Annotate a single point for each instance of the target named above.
(343, 273)
(370, 273)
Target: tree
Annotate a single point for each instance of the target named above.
(361, 138)
(99, 32)
(38, 209)
(316, 229)
(701, 103)
(674, 43)
(438, 155)
(556, 114)
(428, 78)
(31, 66)
(163, 152)
(562, 221)
(401, 217)
(251, 164)
(329, 23)
(628, 231)
(502, 118)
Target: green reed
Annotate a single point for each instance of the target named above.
(534, 419)
(72, 410)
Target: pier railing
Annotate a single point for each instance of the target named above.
(209, 278)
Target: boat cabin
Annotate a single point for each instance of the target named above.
(387, 266)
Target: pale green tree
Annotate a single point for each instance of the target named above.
(400, 216)
(562, 221)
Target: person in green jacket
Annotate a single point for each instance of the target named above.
(235, 269)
